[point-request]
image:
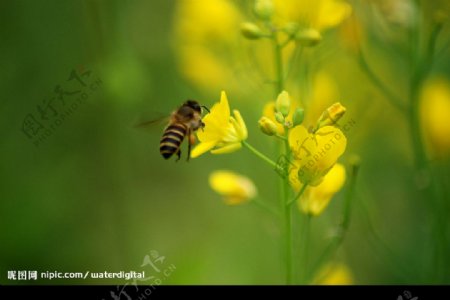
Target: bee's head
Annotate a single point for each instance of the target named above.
(194, 105)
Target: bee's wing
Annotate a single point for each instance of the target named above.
(155, 122)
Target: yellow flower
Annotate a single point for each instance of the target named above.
(318, 14)
(334, 274)
(316, 198)
(314, 153)
(222, 133)
(236, 189)
(435, 116)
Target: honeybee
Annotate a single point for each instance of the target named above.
(183, 122)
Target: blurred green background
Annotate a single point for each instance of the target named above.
(96, 195)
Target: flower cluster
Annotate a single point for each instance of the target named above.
(314, 152)
(308, 134)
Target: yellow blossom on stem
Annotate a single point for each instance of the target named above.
(223, 133)
(236, 189)
(316, 198)
(435, 116)
(314, 153)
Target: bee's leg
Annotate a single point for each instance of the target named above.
(178, 154)
(191, 142)
(202, 125)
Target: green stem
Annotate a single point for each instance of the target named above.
(288, 232)
(298, 195)
(278, 66)
(305, 247)
(260, 155)
(421, 66)
(281, 137)
(284, 184)
(288, 214)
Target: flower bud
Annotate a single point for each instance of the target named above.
(283, 103)
(308, 37)
(331, 115)
(267, 126)
(279, 117)
(251, 31)
(291, 28)
(263, 9)
(298, 117)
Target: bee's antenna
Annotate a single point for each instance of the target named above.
(205, 108)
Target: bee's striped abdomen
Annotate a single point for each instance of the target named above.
(171, 139)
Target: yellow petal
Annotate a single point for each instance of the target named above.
(293, 177)
(316, 153)
(316, 199)
(202, 148)
(235, 188)
(240, 126)
(217, 122)
(213, 130)
(297, 135)
(331, 144)
(228, 148)
(223, 108)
